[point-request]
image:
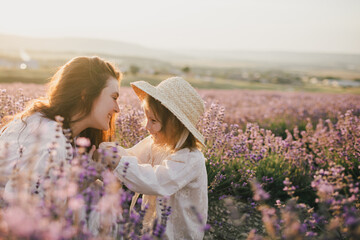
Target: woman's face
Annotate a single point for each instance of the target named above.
(105, 105)
(153, 126)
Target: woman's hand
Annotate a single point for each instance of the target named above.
(91, 172)
(109, 157)
(111, 146)
(110, 154)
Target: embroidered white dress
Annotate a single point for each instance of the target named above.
(180, 176)
(29, 145)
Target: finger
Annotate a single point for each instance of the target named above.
(92, 151)
(106, 145)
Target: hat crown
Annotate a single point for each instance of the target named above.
(180, 93)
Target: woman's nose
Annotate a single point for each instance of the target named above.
(117, 108)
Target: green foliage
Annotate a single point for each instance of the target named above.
(40, 76)
(223, 176)
(224, 179)
(278, 168)
(279, 126)
(134, 69)
(186, 69)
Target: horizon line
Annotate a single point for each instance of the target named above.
(177, 49)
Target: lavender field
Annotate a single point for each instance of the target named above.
(292, 158)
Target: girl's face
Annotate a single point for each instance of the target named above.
(153, 126)
(105, 105)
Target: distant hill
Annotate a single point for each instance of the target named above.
(81, 45)
(283, 59)
(288, 60)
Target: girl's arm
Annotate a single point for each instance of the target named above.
(166, 179)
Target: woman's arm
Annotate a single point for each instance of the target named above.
(140, 150)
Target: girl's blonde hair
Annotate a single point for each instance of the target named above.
(177, 136)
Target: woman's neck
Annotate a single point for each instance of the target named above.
(78, 126)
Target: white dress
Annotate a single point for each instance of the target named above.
(29, 145)
(180, 177)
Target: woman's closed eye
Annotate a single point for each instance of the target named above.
(115, 96)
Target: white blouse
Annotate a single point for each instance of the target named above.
(40, 139)
(29, 145)
(180, 177)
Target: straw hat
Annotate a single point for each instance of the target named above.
(179, 97)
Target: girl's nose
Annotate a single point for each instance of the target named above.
(147, 127)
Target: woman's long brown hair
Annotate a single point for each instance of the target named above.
(73, 89)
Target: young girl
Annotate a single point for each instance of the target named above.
(84, 93)
(168, 163)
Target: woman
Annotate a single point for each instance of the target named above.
(168, 163)
(84, 93)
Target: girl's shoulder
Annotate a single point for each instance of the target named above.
(145, 143)
(188, 154)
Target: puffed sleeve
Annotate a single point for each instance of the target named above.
(173, 174)
(140, 150)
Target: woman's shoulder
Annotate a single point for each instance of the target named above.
(22, 124)
(34, 129)
(34, 118)
(38, 122)
(36, 125)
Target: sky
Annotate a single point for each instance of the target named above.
(331, 26)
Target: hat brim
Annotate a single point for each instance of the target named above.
(142, 88)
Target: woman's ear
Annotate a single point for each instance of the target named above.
(83, 94)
